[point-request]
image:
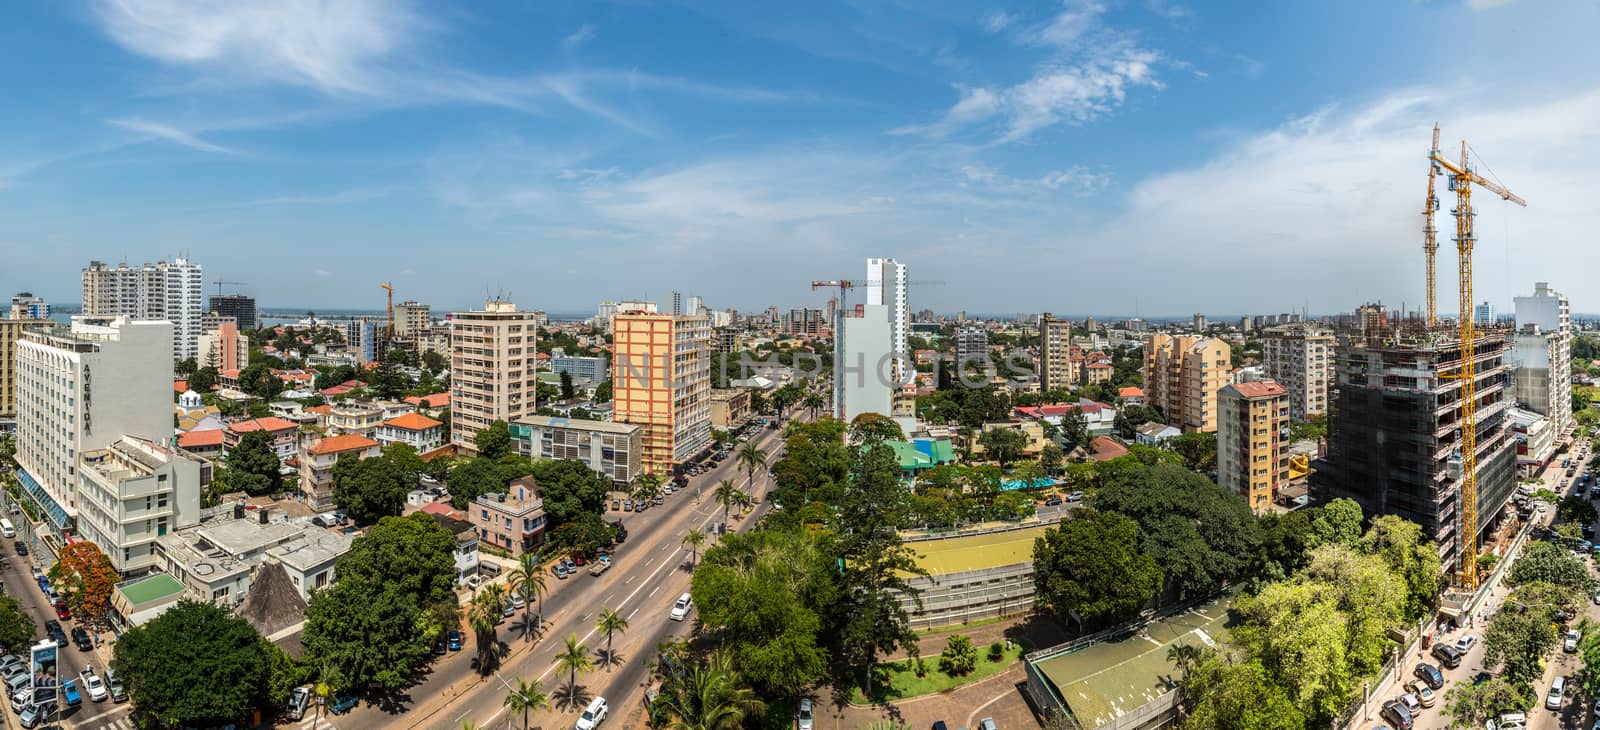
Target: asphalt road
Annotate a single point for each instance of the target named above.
(649, 571)
(16, 573)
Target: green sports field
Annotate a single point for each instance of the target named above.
(991, 550)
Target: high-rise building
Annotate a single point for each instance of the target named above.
(1055, 354)
(27, 306)
(1300, 357)
(10, 331)
(863, 380)
(1182, 375)
(696, 306)
(1371, 319)
(972, 345)
(1199, 322)
(411, 319)
(887, 286)
(238, 306)
(492, 369)
(661, 380)
(79, 390)
(361, 335)
(1253, 440)
(802, 321)
(163, 290)
(677, 303)
(726, 340)
(1543, 355)
(1394, 434)
(222, 345)
(1483, 314)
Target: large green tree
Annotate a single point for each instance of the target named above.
(1470, 705)
(570, 489)
(197, 664)
(253, 466)
(391, 604)
(17, 628)
(370, 489)
(1221, 695)
(257, 380)
(493, 441)
(1524, 630)
(875, 562)
(1411, 556)
(1297, 632)
(1090, 570)
(1546, 562)
(1198, 449)
(1003, 445)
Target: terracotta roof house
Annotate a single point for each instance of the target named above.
(317, 459)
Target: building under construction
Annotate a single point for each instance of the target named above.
(1394, 439)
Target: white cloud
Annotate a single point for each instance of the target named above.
(323, 273)
(156, 130)
(1077, 180)
(342, 197)
(582, 35)
(1089, 72)
(332, 46)
(998, 21)
(1486, 4)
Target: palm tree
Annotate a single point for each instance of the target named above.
(753, 459)
(726, 495)
(812, 402)
(694, 539)
(525, 698)
(1186, 657)
(485, 612)
(528, 581)
(610, 622)
(708, 698)
(574, 658)
(646, 487)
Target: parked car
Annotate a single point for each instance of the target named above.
(119, 693)
(1054, 500)
(803, 715)
(82, 639)
(1465, 642)
(22, 547)
(1558, 689)
(32, 714)
(986, 723)
(69, 691)
(592, 715)
(616, 504)
(1396, 714)
(1430, 674)
(1447, 655)
(343, 702)
(1570, 646)
(1423, 692)
(453, 641)
(560, 570)
(1075, 496)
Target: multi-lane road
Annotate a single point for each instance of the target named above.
(650, 570)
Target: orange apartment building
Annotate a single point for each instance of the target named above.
(1253, 441)
(661, 380)
(1182, 375)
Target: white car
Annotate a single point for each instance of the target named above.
(1552, 701)
(804, 715)
(1571, 645)
(1465, 642)
(592, 715)
(680, 609)
(96, 688)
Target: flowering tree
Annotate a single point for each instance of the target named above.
(89, 579)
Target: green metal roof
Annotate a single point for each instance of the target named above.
(150, 588)
(909, 456)
(943, 451)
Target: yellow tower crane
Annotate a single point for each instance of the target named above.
(389, 289)
(1462, 178)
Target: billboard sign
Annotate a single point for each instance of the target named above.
(44, 664)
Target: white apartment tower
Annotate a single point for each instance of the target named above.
(169, 290)
(80, 390)
(1542, 355)
(1300, 357)
(886, 286)
(492, 369)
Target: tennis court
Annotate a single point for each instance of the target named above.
(974, 552)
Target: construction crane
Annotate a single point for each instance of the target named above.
(235, 283)
(389, 289)
(1461, 179)
(1430, 245)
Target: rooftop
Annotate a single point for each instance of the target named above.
(578, 423)
(340, 444)
(197, 439)
(975, 552)
(1259, 389)
(312, 548)
(271, 423)
(153, 587)
(412, 422)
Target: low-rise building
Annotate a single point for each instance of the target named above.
(467, 541)
(206, 444)
(1131, 396)
(730, 407)
(612, 449)
(282, 432)
(1155, 434)
(582, 369)
(317, 459)
(512, 520)
(133, 492)
(416, 430)
(1536, 437)
(354, 417)
(215, 560)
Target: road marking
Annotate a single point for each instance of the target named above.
(648, 562)
(629, 580)
(653, 592)
(635, 611)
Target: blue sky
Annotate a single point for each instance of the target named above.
(1075, 157)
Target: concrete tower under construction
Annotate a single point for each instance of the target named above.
(1394, 440)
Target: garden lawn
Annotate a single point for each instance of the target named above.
(895, 680)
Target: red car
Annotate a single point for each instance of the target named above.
(578, 559)
(62, 612)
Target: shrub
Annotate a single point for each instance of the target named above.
(959, 656)
(997, 651)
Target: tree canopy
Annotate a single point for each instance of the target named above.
(89, 576)
(1200, 534)
(1546, 562)
(1090, 571)
(493, 441)
(370, 489)
(198, 664)
(252, 465)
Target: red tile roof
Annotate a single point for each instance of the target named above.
(440, 508)
(231, 373)
(180, 386)
(413, 422)
(1259, 389)
(1130, 392)
(341, 444)
(1099, 366)
(270, 423)
(1106, 448)
(321, 410)
(195, 439)
(435, 400)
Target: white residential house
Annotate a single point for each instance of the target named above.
(1155, 434)
(414, 429)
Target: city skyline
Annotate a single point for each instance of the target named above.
(1010, 150)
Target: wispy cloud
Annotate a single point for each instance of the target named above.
(582, 35)
(1089, 72)
(157, 130)
(342, 197)
(998, 21)
(1077, 180)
